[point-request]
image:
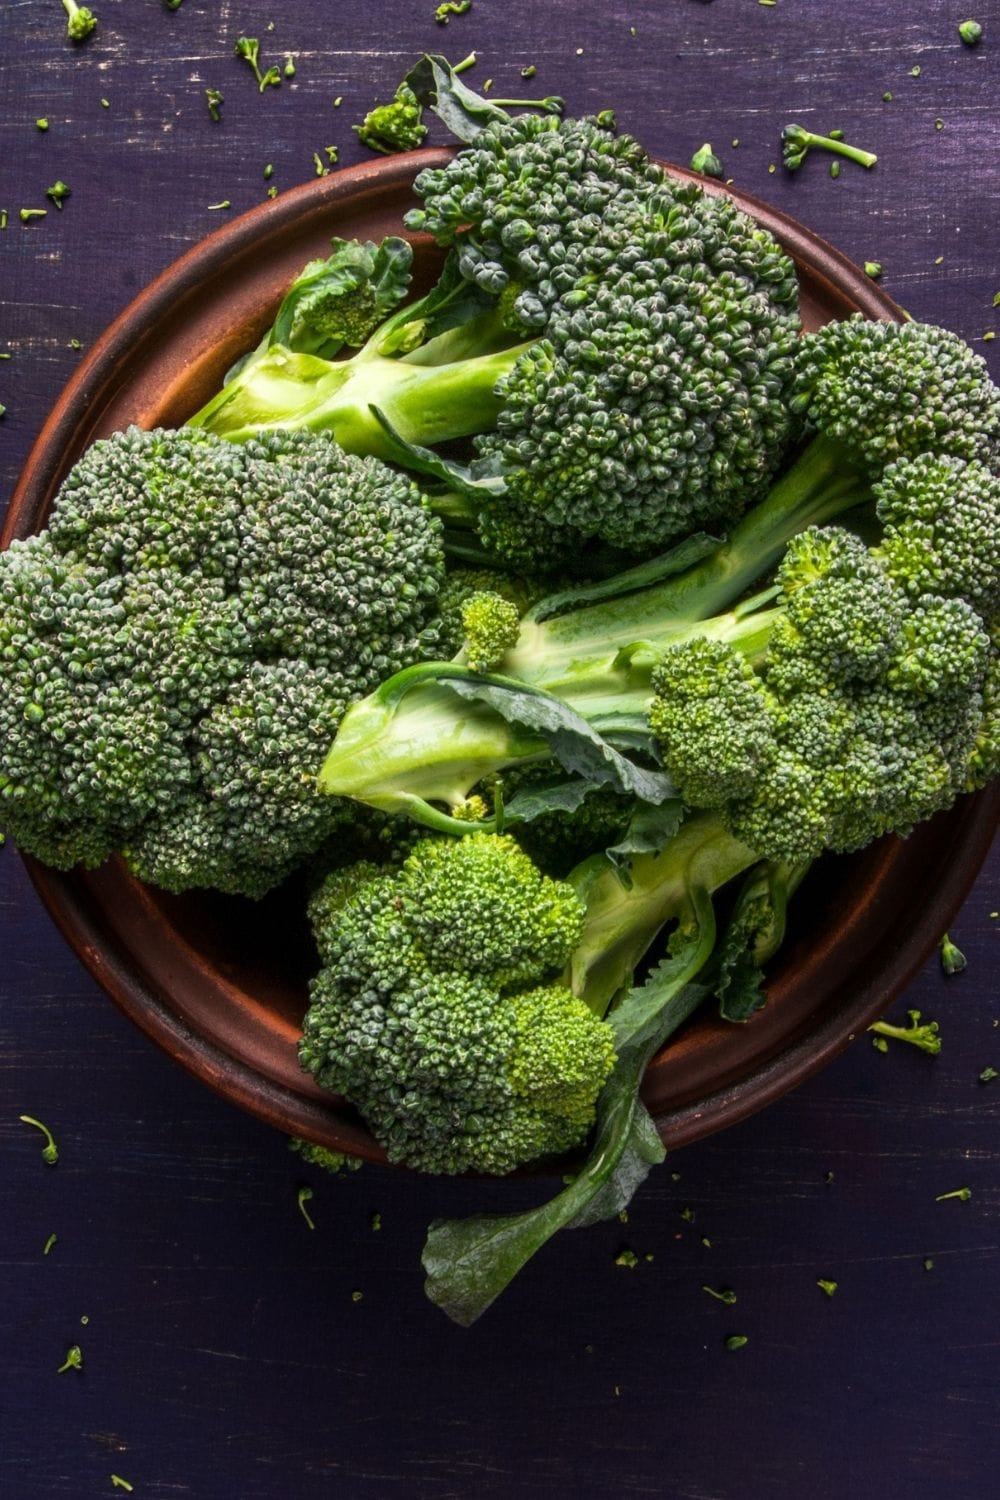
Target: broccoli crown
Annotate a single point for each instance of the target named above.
(437, 1014)
(655, 401)
(647, 410)
(895, 390)
(874, 706)
(396, 126)
(941, 525)
(178, 646)
(462, 584)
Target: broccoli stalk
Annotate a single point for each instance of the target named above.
(470, 1262)
(414, 742)
(418, 375)
(797, 142)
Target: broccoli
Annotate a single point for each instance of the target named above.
(922, 1034)
(180, 643)
(971, 33)
(438, 1012)
(705, 161)
(248, 48)
(797, 142)
(482, 1016)
(618, 345)
(863, 679)
(80, 20)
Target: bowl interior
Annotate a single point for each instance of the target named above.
(221, 982)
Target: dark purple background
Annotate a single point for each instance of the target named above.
(224, 1354)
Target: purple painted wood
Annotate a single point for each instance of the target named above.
(225, 1354)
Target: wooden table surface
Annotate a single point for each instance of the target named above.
(227, 1353)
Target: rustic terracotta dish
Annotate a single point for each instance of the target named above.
(219, 982)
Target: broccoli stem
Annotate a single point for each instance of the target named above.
(413, 742)
(623, 920)
(425, 403)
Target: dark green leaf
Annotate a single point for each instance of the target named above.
(576, 745)
(464, 113)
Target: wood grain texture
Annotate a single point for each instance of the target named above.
(224, 1355)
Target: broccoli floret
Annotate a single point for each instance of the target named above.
(80, 20)
(895, 390)
(334, 1162)
(180, 643)
(439, 1014)
(941, 528)
(396, 126)
(797, 142)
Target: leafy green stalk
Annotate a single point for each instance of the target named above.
(470, 1262)
(417, 741)
(797, 142)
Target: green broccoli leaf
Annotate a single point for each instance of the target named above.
(649, 829)
(575, 743)
(469, 1262)
(464, 113)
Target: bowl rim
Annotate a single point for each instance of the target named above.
(966, 830)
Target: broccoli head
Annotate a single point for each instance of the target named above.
(439, 1013)
(895, 390)
(180, 643)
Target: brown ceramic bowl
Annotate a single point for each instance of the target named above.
(219, 982)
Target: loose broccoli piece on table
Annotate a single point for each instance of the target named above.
(396, 126)
(921, 1034)
(80, 20)
(180, 643)
(439, 1013)
(797, 142)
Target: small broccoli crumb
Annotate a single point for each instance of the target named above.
(27, 214)
(628, 1258)
(338, 101)
(988, 1075)
(939, 123)
(736, 1341)
(289, 68)
(450, 8)
(375, 1223)
(223, 203)
(50, 1151)
(58, 192)
(721, 1294)
(835, 169)
(214, 99)
(887, 97)
(357, 1296)
(922, 1034)
(41, 123)
(873, 268)
(248, 48)
(80, 20)
(303, 1197)
(117, 1482)
(971, 33)
(49, 1243)
(73, 1360)
(269, 171)
(529, 71)
(829, 1287)
(915, 71)
(962, 1194)
(687, 1214)
(953, 960)
(928, 1264)
(334, 1162)
(705, 161)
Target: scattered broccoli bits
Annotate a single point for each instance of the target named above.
(971, 33)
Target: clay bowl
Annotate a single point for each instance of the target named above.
(218, 982)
